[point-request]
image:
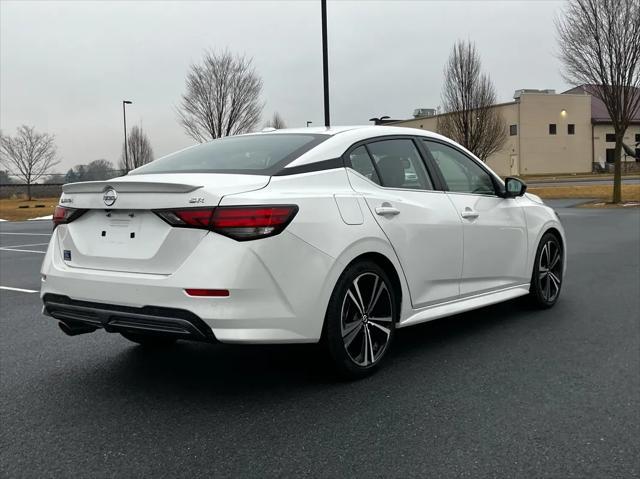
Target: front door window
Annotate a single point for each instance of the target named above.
(461, 173)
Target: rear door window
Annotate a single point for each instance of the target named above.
(362, 163)
(399, 164)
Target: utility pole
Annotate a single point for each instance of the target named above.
(126, 152)
(325, 63)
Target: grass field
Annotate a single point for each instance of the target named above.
(596, 192)
(10, 209)
(577, 176)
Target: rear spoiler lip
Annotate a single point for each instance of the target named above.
(128, 187)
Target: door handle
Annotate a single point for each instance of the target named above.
(387, 210)
(469, 213)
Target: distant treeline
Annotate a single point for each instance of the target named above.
(94, 171)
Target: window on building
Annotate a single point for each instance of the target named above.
(571, 129)
(637, 137)
(513, 130)
(610, 138)
(611, 158)
(552, 128)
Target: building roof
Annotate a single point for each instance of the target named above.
(397, 122)
(599, 113)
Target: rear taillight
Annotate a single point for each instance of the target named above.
(252, 222)
(188, 218)
(62, 215)
(241, 223)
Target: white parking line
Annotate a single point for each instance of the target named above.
(26, 234)
(23, 250)
(25, 245)
(20, 290)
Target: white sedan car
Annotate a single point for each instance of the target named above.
(337, 235)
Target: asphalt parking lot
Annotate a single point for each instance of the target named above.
(501, 392)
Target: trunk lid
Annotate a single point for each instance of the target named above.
(120, 232)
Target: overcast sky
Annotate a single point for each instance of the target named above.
(66, 66)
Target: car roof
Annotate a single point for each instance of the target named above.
(315, 130)
(341, 137)
(372, 130)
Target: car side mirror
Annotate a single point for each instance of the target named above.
(514, 187)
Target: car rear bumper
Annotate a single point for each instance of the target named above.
(272, 299)
(161, 321)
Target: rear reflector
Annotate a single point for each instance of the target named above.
(63, 215)
(241, 223)
(208, 292)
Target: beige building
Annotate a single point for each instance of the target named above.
(551, 133)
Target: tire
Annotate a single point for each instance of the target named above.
(546, 278)
(148, 340)
(360, 320)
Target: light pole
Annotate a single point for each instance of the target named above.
(126, 153)
(325, 63)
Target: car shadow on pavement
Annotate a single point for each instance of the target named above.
(231, 370)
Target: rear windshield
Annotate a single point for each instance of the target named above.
(263, 154)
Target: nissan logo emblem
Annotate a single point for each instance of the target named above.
(110, 197)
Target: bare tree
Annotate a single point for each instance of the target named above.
(72, 175)
(97, 170)
(5, 179)
(222, 97)
(468, 98)
(276, 122)
(100, 170)
(29, 155)
(600, 49)
(139, 151)
(54, 179)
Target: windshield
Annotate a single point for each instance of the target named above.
(263, 154)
